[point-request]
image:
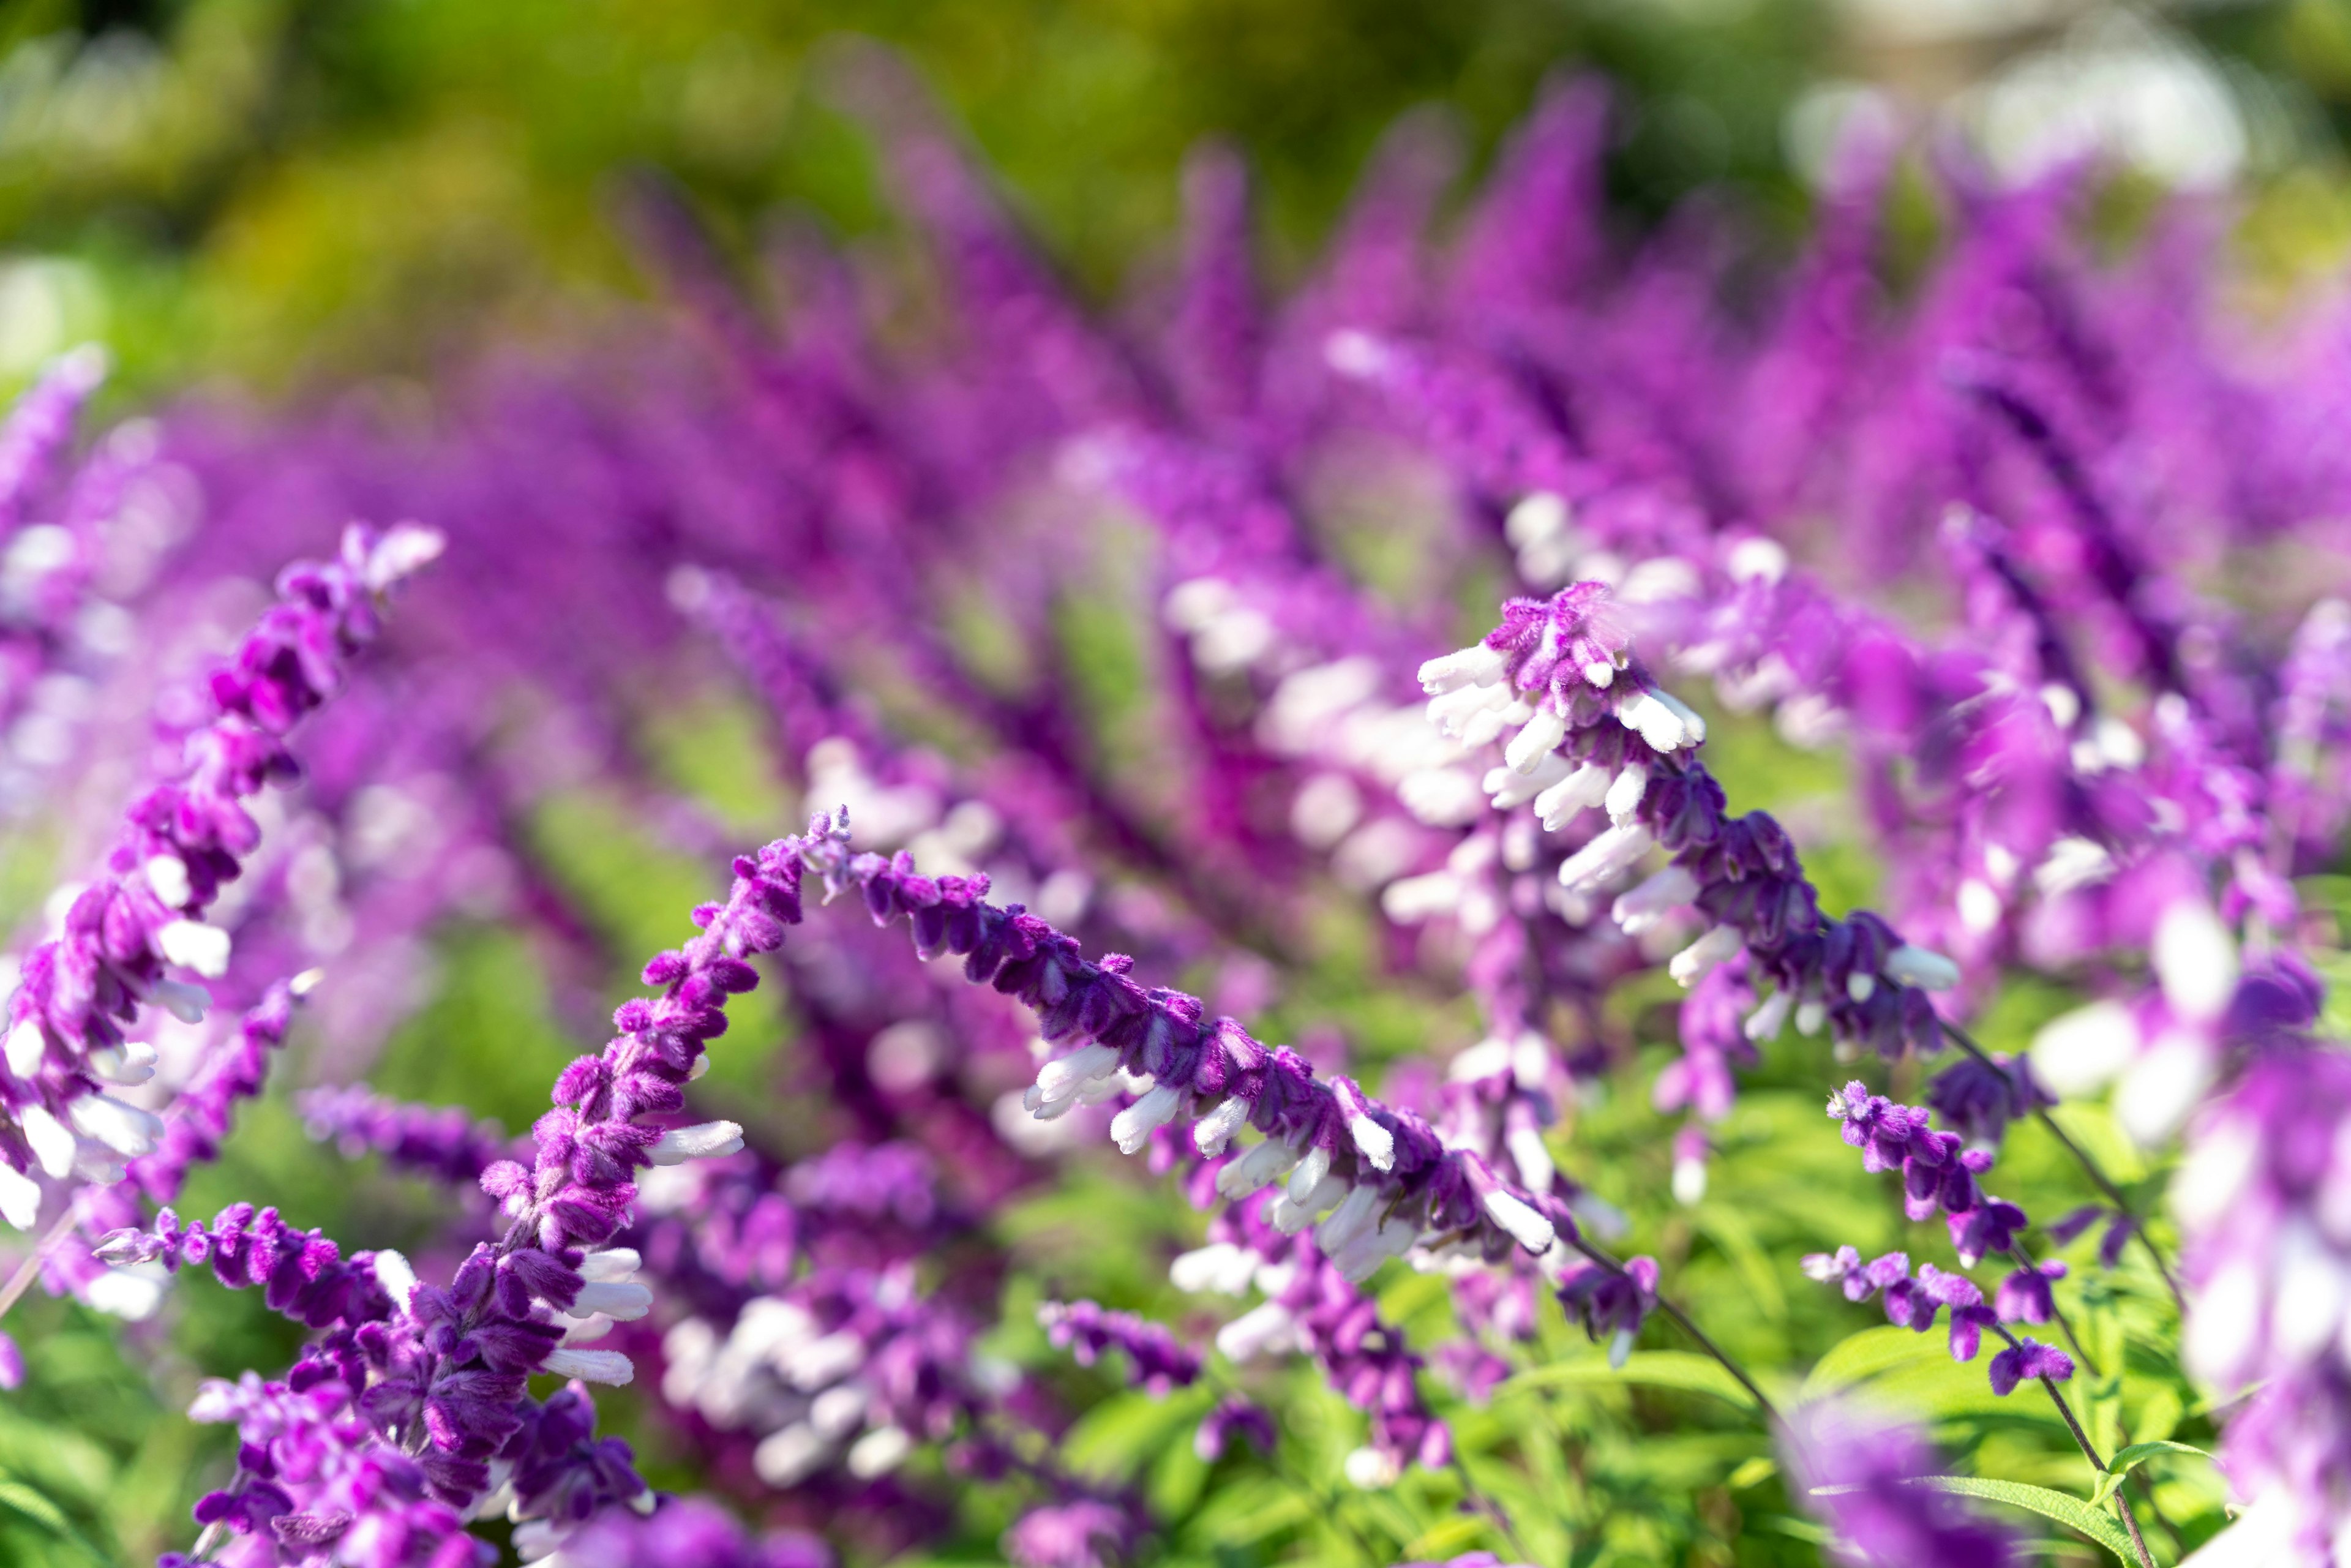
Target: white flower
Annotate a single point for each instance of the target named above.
(1266, 1326)
(20, 1197)
(394, 1272)
(624, 1301)
(1587, 786)
(53, 1145)
(591, 1365)
(1919, 966)
(1540, 738)
(27, 1045)
(168, 875)
(1476, 665)
(1532, 1230)
(128, 1130)
(1607, 856)
(1213, 1131)
(1650, 902)
(1132, 1127)
(705, 1140)
(192, 945)
(2195, 960)
(1625, 792)
(1718, 945)
(879, 1452)
(1261, 1165)
(787, 1456)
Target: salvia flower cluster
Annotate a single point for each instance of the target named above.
(1394, 1071)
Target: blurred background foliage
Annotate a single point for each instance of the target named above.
(287, 195)
(286, 190)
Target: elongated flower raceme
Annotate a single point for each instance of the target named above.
(142, 917)
(1323, 1142)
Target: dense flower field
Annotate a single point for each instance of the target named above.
(1226, 923)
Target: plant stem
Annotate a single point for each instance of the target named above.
(2098, 1179)
(22, 1280)
(1599, 1255)
(2017, 1250)
(2089, 1451)
(1493, 1510)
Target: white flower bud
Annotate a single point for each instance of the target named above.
(608, 1366)
(1378, 1143)
(1213, 1131)
(1476, 665)
(879, 1452)
(787, 1457)
(1308, 1173)
(624, 1301)
(183, 1001)
(1718, 945)
(1649, 903)
(1540, 738)
(1766, 1021)
(1219, 1267)
(1372, 1470)
(1625, 792)
(1261, 1165)
(1132, 1127)
(1608, 856)
(1058, 1079)
(612, 1263)
(1510, 787)
(128, 1130)
(27, 1045)
(20, 1197)
(1408, 900)
(1531, 1229)
(1586, 787)
(53, 1145)
(394, 1272)
(192, 945)
(703, 1141)
(1919, 966)
(2195, 960)
(168, 875)
(1266, 1326)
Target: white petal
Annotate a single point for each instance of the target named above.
(27, 1046)
(1586, 787)
(1378, 1143)
(1766, 1021)
(1532, 1230)
(1606, 857)
(1717, 947)
(128, 1130)
(20, 1196)
(624, 1301)
(183, 1001)
(879, 1452)
(1132, 1126)
(2079, 1053)
(1310, 1174)
(1477, 665)
(1919, 966)
(1539, 739)
(53, 1145)
(168, 875)
(192, 945)
(612, 1263)
(394, 1272)
(608, 1366)
(1213, 1132)
(2195, 960)
(1371, 1469)
(1263, 1327)
(786, 1457)
(705, 1140)
(1648, 903)
(1259, 1165)
(1625, 792)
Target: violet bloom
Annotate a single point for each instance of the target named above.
(683, 1532)
(2261, 1203)
(1084, 1534)
(1612, 1304)
(2026, 1359)
(1156, 1360)
(1233, 1417)
(1860, 1477)
(179, 843)
(1980, 1098)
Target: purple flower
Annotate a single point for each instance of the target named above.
(1980, 1098)
(2029, 1358)
(1233, 1417)
(1860, 1477)
(1156, 1360)
(2025, 1295)
(1083, 1533)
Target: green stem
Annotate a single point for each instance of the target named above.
(2089, 1167)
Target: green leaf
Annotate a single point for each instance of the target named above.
(2063, 1506)
(1679, 1369)
(20, 1498)
(2128, 1459)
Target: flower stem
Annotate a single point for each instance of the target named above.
(2098, 1179)
(2089, 1451)
(1599, 1255)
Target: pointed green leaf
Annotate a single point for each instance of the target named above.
(2127, 1460)
(2063, 1506)
(1679, 1369)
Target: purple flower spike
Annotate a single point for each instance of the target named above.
(2029, 1358)
(1158, 1361)
(1612, 1306)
